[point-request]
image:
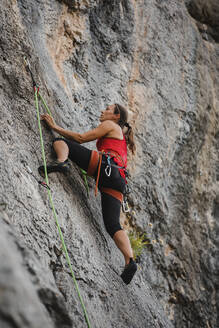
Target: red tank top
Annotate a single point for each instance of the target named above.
(118, 146)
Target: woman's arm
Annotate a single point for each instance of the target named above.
(102, 130)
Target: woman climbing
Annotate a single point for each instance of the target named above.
(107, 166)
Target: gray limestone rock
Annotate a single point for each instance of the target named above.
(160, 60)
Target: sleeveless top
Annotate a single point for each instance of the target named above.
(117, 146)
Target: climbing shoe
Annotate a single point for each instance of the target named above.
(129, 271)
(55, 166)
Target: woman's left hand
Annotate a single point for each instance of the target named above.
(49, 120)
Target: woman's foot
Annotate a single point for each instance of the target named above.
(55, 166)
(129, 271)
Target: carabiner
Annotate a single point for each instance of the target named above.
(42, 183)
(108, 169)
(125, 206)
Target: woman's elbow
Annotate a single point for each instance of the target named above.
(81, 139)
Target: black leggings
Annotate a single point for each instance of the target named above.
(110, 205)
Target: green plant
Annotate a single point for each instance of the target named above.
(138, 242)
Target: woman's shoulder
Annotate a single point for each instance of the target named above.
(109, 123)
(110, 127)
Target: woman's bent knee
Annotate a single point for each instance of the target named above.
(112, 230)
(60, 141)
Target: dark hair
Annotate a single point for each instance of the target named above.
(129, 136)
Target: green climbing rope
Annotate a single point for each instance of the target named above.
(36, 94)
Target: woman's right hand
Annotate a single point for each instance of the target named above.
(49, 120)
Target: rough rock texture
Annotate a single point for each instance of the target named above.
(160, 59)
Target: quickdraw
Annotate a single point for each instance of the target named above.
(27, 65)
(125, 205)
(42, 183)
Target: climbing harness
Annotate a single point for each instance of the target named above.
(38, 96)
(95, 164)
(96, 160)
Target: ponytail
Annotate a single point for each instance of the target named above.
(129, 135)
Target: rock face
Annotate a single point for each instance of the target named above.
(160, 59)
